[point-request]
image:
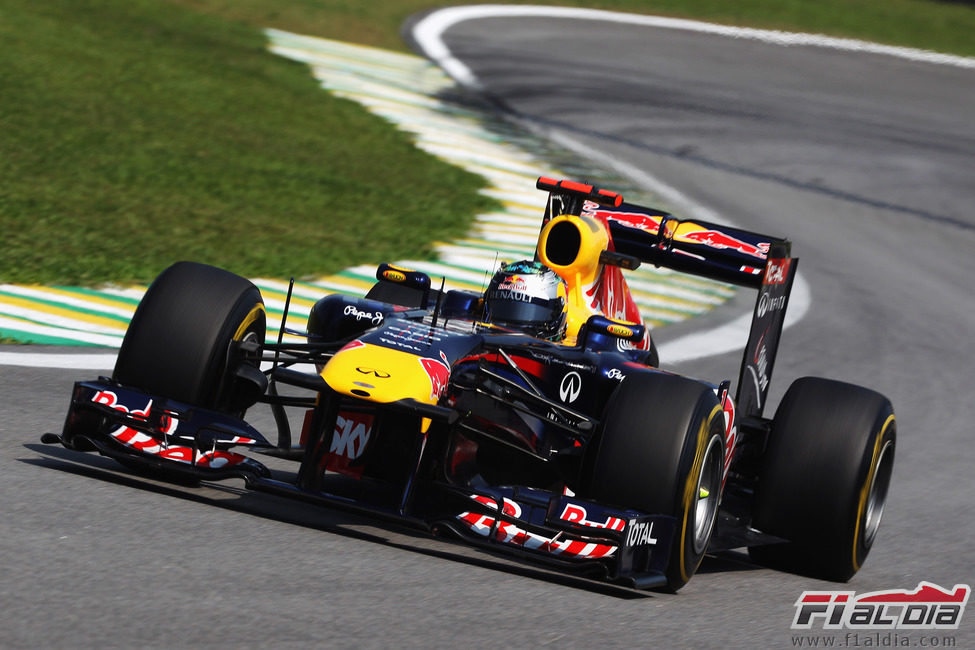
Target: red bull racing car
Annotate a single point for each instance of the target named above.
(532, 418)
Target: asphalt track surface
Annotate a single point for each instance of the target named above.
(866, 162)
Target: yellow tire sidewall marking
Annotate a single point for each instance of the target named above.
(690, 486)
(249, 320)
(865, 490)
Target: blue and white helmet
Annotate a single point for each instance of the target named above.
(529, 297)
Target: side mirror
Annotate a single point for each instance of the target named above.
(603, 332)
(408, 278)
(461, 304)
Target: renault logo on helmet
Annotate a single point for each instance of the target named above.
(570, 387)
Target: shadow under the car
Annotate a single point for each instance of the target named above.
(727, 562)
(331, 520)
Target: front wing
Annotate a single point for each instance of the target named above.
(174, 439)
(623, 546)
(140, 429)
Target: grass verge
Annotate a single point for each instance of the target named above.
(136, 132)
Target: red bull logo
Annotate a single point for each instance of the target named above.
(438, 370)
(514, 283)
(576, 514)
(163, 448)
(509, 533)
(724, 241)
(640, 221)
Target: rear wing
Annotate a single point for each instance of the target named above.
(697, 247)
(701, 248)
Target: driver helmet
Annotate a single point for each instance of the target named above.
(529, 297)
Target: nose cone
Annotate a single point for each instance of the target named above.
(384, 375)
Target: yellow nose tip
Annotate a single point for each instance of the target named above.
(704, 493)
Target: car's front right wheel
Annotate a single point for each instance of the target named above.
(183, 340)
(660, 450)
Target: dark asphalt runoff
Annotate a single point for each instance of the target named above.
(866, 162)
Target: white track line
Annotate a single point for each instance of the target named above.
(428, 32)
(733, 335)
(101, 361)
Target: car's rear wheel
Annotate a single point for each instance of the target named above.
(824, 478)
(183, 341)
(660, 450)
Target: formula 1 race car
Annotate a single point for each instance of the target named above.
(531, 418)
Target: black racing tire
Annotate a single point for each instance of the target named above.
(652, 357)
(660, 450)
(179, 342)
(824, 478)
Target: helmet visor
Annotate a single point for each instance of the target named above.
(517, 312)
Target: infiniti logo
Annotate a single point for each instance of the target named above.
(570, 387)
(372, 371)
(766, 304)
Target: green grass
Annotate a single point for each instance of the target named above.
(137, 132)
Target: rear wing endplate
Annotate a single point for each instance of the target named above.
(767, 322)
